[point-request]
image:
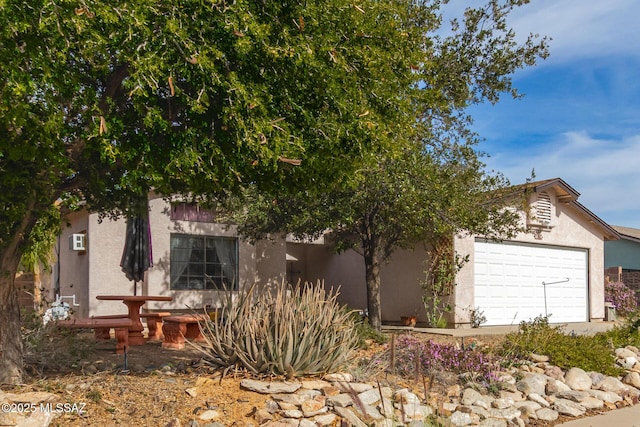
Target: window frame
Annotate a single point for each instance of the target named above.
(195, 272)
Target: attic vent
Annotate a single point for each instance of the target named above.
(543, 208)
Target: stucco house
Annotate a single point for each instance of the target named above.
(555, 268)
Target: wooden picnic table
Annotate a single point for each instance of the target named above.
(134, 303)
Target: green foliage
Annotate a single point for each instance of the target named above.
(591, 353)
(292, 331)
(425, 179)
(439, 280)
(627, 333)
(365, 332)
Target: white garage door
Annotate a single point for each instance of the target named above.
(509, 281)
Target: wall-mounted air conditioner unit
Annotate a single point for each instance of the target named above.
(77, 242)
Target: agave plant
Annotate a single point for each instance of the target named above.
(285, 330)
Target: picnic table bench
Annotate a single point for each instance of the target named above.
(177, 328)
(154, 324)
(121, 327)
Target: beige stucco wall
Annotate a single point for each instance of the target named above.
(570, 228)
(98, 272)
(400, 291)
(73, 266)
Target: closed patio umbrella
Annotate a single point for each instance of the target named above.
(137, 255)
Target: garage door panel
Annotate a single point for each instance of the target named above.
(509, 277)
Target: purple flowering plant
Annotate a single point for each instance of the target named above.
(622, 298)
(429, 356)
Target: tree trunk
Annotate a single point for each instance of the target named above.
(11, 351)
(372, 269)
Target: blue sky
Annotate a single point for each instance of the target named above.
(580, 117)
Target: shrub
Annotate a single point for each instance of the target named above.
(282, 331)
(410, 353)
(364, 331)
(622, 298)
(49, 349)
(591, 353)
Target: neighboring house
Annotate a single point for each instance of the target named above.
(622, 258)
(507, 281)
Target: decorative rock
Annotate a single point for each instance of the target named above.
(415, 411)
(493, 422)
(470, 396)
(405, 396)
(330, 391)
(294, 399)
(265, 387)
(623, 353)
(546, 414)
(312, 408)
(612, 384)
(575, 395)
(528, 408)
(209, 415)
(535, 397)
(369, 397)
(568, 407)
(590, 402)
(341, 400)
(315, 384)
(286, 406)
(307, 423)
(532, 383)
(556, 386)
(502, 403)
(293, 413)
(342, 377)
(308, 393)
(505, 414)
(325, 419)
(632, 379)
(461, 419)
(605, 396)
(193, 392)
(538, 358)
(353, 387)
(554, 372)
(516, 396)
(577, 379)
(262, 416)
(271, 406)
(350, 416)
(454, 390)
(627, 362)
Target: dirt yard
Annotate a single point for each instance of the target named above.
(161, 385)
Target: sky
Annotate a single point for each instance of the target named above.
(580, 117)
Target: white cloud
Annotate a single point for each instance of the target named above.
(582, 29)
(578, 28)
(604, 171)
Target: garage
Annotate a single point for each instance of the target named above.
(519, 281)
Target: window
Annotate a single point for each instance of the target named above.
(191, 212)
(203, 262)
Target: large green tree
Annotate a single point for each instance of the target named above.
(429, 182)
(102, 101)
